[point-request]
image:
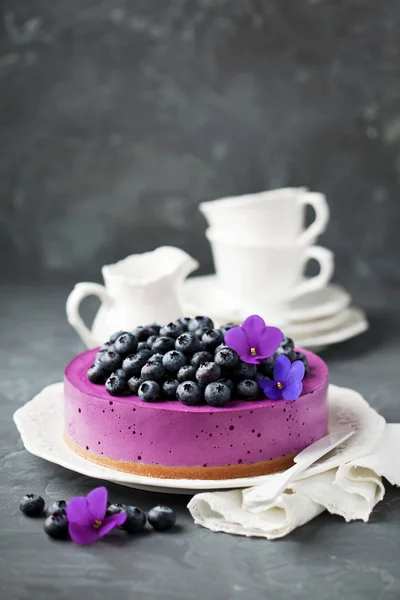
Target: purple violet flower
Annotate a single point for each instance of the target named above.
(87, 521)
(254, 341)
(287, 382)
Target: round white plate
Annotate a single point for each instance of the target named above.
(40, 423)
(202, 295)
(356, 323)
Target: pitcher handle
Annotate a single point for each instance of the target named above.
(321, 208)
(81, 291)
(326, 263)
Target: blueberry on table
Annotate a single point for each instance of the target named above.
(227, 326)
(149, 391)
(200, 323)
(201, 357)
(110, 360)
(171, 330)
(287, 341)
(56, 525)
(126, 343)
(186, 373)
(97, 373)
(248, 389)
(135, 519)
(134, 384)
(304, 360)
(189, 393)
(169, 387)
(116, 384)
(164, 344)
(174, 360)
(217, 394)
(286, 351)
(226, 358)
(116, 336)
(161, 518)
(208, 372)
(212, 338)
(153, 370)
(245, 370)
(58, 505)
(115, 509)
(188, 343)
(32, 505)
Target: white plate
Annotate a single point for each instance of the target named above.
(202, 295)
(40, 423)
(355, 324)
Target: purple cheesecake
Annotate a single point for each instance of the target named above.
(171, 440)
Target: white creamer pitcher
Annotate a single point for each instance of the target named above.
(141, 289)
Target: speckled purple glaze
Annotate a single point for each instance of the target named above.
(169, 433)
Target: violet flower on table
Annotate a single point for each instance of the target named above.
(254, 340)
(287, 382)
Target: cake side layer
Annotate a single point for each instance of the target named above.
(172, 434)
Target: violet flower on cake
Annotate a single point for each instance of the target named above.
(254, 340)
(287, 382)
(87, 521)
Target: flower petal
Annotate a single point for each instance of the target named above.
(82, 535)
(111, 523)
(254, 328)
(269, 341)
(282, 368)
(292, 391)
(297, 371)
(236, 339)
(78, 511)
(270, 389)
(248, 358)
(97, 503)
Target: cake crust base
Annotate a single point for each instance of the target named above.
(264, 467)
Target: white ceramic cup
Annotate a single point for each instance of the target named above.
(274, 217)
(264, 279)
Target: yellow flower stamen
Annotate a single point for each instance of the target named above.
(253, 351)
(97, 524)
(279, 385)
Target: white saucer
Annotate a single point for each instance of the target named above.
(355, 323)
(40, 423)
(202, 295)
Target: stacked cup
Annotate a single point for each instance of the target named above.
(261, 248)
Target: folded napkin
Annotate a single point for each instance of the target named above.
(347, 482)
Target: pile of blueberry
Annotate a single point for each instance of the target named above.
(161, 518)
(185, 360)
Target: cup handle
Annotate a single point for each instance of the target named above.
(326, 263)
(81, 291)
(321, 208)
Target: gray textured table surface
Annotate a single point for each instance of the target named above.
(325, 559)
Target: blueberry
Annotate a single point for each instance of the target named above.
(134, 384)
(171, 330)
(156, 358)
(102, 350)
(186, 373)
(287, 341)
(217, 394)
(149, 391)
(135, 519)
(208, 372)
(304, 360)
(126, 343)
(174, 360)
(164, 344)
(144, 353)
(187, 343)
(161, 518)
(199, 333)
(228, 382)
(116, 336)
(154, 371)
(226, 358)
(116, 383)
(96, 373)
(200, 323)
(245, 370)
(142, 346)
(212, 338)
(201, 357)
(183, 323)
(56, 525)
(31, 505)
(115, 509)
(248, 389)
(133, 364)
(169, 387)
(150, 341)
(142, 333)
(286, 351)
(227, 326)
(110, 360)
(58, 505)
(266, 367)
(222, 346)
(189, 393)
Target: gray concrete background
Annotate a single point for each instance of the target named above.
(118, 117)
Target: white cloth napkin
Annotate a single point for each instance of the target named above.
(348, 482)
